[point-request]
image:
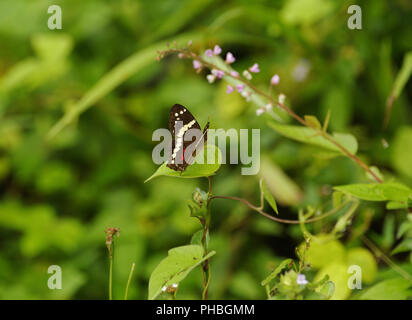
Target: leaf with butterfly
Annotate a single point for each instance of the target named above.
(196, 165)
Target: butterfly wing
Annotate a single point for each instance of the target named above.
(181, 120)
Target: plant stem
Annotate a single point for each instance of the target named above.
(111, 276)
(205, 266)
(379, 254)
(128, 281)
(269, 216)
(302, 121)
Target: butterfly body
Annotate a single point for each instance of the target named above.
(180, 123)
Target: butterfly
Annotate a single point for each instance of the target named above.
(180, 121)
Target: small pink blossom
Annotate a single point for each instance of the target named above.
(209, 53)
(268, 106)
(211, 78)
(254, 68)
(230, 58)
(239, 87)
(259, 111)
(234, 74)
(181, 55)
(229, 89)
(275, 80)
(217, 50)
(218, 73)
(196, 64)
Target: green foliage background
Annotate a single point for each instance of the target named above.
(57, 196)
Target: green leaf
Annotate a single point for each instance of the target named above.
(402, 76)
(311, 136)
(401, 155)
(313, 121)
(337, 271)
(194, 170)
(392, 289)
(406, 226)
(364, 259)
(306, 12)
(377, 191)
(275, 272)
(175, 267)
(197, 238)
(322, 251)
(337, 198)
(328, 289)
(268, 196)
(404, 246)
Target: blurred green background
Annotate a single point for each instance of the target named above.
(58, 196)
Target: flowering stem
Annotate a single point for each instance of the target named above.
(187, 53)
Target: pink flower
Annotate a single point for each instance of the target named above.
(209, 53)
(229, 89)
(230, 58)
(268, 106)
(217, 50)
(234, 74)
(196, 64)
(218, 73)
(275, 80)
(239, 87)
(254, 68)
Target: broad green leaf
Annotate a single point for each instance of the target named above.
(364, 259)
(377, 191)
(322, 251)
(175, 267)
(338, 274)
(268, 196)
(392, 289)
(401, 154)
(275, 272)
(284, 189)
(310, 136)
(194, 170)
